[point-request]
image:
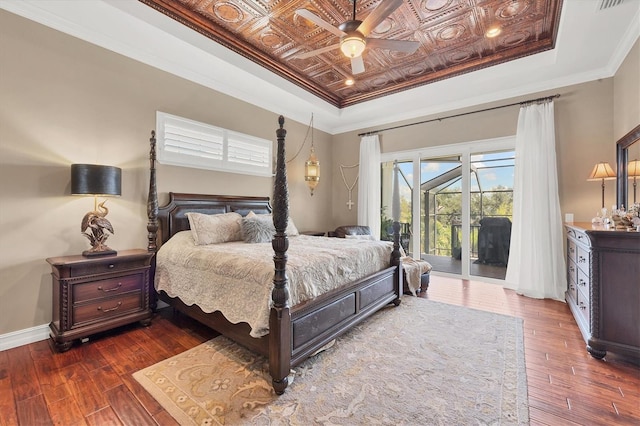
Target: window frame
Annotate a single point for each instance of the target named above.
(188, 143)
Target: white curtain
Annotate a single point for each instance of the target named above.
(369, 184)
(536, 258)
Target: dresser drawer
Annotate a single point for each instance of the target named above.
(583, 308)
(572, 270)
(582, 282)
(572, 250)
(583, 259)
(572, 290)
(107, 308)
(108, 287)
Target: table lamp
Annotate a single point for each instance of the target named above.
(602, 171)
(97, 181)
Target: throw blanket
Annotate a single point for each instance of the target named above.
(414, 268)
(236, 278)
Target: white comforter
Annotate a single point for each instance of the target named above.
(236, 278)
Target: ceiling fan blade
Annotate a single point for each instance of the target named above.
(319, 21)
(399, 45)
(379, 14)
(305, 55)
(357, 65)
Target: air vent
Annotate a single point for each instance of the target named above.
(606, 4)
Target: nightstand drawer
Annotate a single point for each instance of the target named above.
(107, 308)
(109, 287)
(106, 266)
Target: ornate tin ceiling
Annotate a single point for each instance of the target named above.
(451, 34)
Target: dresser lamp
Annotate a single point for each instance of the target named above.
(602, 171)
(97, 181)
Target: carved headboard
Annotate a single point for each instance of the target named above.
(172, 217)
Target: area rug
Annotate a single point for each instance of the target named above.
(421, 363)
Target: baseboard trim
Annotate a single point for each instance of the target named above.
(24, 337)
(34, 334)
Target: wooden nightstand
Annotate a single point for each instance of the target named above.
(94, 294)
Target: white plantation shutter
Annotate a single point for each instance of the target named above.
(188, 143)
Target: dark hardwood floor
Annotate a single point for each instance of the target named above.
(92, 384)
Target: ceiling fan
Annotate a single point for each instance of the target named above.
(353, 34)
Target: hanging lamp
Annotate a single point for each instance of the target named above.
(312, 166)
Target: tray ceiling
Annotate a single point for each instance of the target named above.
(450, 33)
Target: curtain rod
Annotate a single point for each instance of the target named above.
(545, 99)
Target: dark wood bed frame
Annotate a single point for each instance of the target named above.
(296, 332)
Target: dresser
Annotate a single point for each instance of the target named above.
(95, 294)
(603, 287)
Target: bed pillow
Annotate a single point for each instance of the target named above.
(214, 228)
(257, 228)
(291, 230)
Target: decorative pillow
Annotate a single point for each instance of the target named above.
(291, 230)
(214, 228)
(257, 228)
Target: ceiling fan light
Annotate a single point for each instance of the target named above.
(352, 45)
(493, 32)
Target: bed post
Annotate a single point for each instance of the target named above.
(280, 317)
(152, 214)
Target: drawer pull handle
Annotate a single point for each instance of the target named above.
(110, 309)
(581, 259)
(571, 268)
(581, 282)
(111, 266)
(572, 250)
(583, 306)
(579, 237)
(107, 290)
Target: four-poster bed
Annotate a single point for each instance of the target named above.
(295, 331)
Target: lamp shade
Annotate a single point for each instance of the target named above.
(312, 171)
(94, 179)
(602, 171)
(353, 45)
(633, 168)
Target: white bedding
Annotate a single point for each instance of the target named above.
(236, 278)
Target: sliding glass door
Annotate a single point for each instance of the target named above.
(456, 206)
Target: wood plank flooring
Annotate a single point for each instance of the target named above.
(92, 385)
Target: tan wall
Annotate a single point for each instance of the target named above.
(65, 101)
(584, 136)
(626, 94)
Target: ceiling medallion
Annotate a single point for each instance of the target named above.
(384, 27)
(459, 56)
(451, 32)
(379, 82)
(515, 38)
(271, 40)
(416, 70)
(435, 4)
(513, 9)
(228, 12)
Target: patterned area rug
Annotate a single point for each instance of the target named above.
(421, 363)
